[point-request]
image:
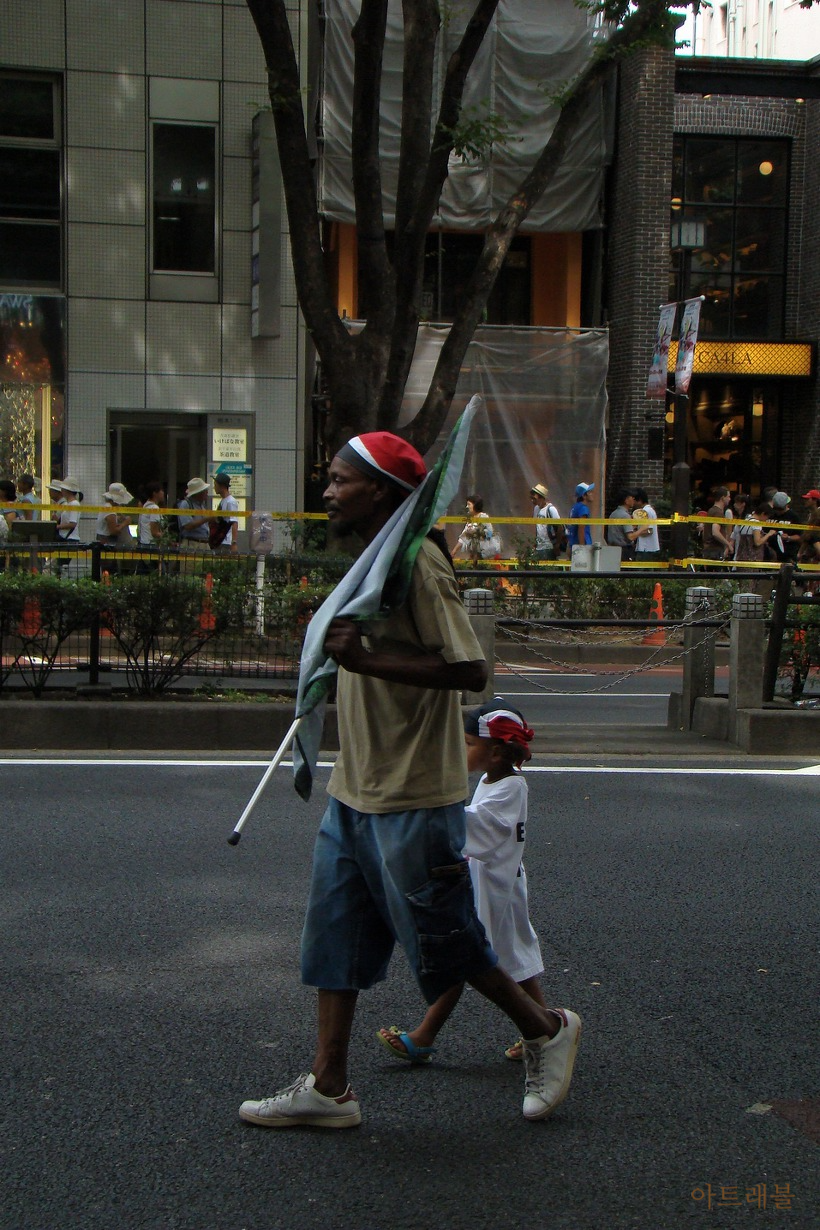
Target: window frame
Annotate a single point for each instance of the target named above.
(54, 143)
(683, 277)
(184, 285)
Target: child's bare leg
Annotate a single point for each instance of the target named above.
(424, 1035)
(435, 1017)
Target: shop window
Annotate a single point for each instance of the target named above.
(449, 260)
(32, 383)
(30, 183)
(732, 429)
(184, 198)
(728, 233)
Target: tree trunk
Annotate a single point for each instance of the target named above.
(366, 373)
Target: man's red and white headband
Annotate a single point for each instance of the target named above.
(382, 453)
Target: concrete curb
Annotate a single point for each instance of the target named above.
(770, 730)
(172, 725)
(207, 726)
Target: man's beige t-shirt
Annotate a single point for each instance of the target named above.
(402, 747)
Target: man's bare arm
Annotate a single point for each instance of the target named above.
(343, 643)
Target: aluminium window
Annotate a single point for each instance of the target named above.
(30, 182)
(184, 198)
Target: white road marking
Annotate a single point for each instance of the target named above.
(806, 771)
(133, 762)
(812, 771)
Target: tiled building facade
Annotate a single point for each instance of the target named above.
(157, 361)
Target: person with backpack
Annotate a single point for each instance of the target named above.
(550, 537)
(580, 535)
(112, 527)
(223, 530)
(193, 529)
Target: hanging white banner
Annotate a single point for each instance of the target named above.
(656, 384)
(686, 345)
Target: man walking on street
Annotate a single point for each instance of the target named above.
(549, 533)
(580, 535)
(388, 861)
(624, 536)
(194, 527)
(717, 538)
(647, 545)
(228, 505)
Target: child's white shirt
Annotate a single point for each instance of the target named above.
(496, 834)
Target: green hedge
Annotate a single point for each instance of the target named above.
(38, 613)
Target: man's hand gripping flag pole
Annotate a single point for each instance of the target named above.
(376, 584)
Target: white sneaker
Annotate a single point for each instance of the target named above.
(548, 1064)
(301, 1104)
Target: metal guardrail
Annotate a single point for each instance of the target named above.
(273, 599)
(783, 599)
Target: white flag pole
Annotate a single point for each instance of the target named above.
(233, 840)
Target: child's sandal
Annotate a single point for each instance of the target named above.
(408, 1050)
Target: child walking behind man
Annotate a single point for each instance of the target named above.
(497, 737)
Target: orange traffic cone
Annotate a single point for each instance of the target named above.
(658, 637)
(207, 619)
(31, 623)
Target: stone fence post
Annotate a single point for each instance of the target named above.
(746, 657)
(479, 606)
(699, 660)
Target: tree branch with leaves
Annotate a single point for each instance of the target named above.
(366, 373)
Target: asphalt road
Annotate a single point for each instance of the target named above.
(151, 983)
(611, 697)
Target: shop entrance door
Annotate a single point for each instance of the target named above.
(732, 436)
(169, 448)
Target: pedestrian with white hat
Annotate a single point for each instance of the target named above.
(68, 520)
(193, 534)
(550, 539)
(112, 527)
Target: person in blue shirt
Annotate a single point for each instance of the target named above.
(580, 535)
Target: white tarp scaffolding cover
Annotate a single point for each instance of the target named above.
(533, 50)
(543, 419)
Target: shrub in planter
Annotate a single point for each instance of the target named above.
(289, 608)
(160, 622)
(37, 616)
(799, 654)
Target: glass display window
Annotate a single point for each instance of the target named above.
(728, 235)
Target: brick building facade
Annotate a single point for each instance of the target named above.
(638, 257)
(765, 419)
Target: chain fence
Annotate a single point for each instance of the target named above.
(660, 655)
(145, 620)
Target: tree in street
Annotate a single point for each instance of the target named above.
(365, 374)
